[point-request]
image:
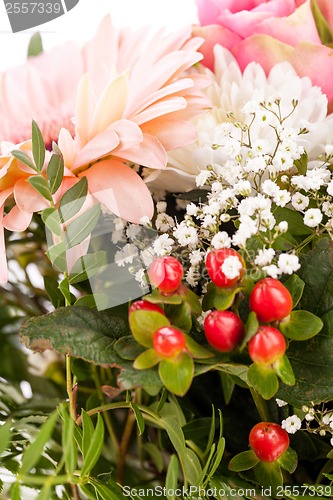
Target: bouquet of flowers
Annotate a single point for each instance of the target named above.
(166, 255)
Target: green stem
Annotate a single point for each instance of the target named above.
(150, 414)
(260, 405)
(70, 392)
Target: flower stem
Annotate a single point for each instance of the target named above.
(260, 405)
(70, 391)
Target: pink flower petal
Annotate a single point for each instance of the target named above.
(99, 146)
(84, 108)
(149, 153)
(3, 260)
(173, 134)
(16, 220)
(160, 109)
(67, 146)
(215, 35)
(27, 198)
(120, 189)
(129, 134)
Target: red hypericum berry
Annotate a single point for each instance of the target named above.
(224, 330)
(214, 263)
(145, 305)
(166, 274)
(267, 345)
(270, 300)
(168, 341)
(268, 441)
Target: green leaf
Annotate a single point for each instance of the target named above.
(86, 266)
(24, 158)
(157, 298)
(139, 418)
(219, 298)
(64, 289)
(155, 455)
(73, 199)
(301, 325)
(68, 440)
(228, 387)
(194, 195)
(40, 184)
(78, 331)
(34, 450)
(190, 298)
(284, 371)
(45, 493)
(180, 316)
(296, 287)
(269, 475)
(177, 373)
(197, 351)
(251, 328)
(95, 447)
(15, 491)
(50, 217)
(99, 300)
(55, 172)
(35, 46)
(128, 348)
(87, 432)
(217, 458)
(38, 146)
(243, 461)
(5, 435)
(193, 468)
(57, 255)
(144, 324)
(302, 164)
(288, 460)
(146, 359)
(263, 379)
(81, 227)
(322, 25)
(296, 225)
(171, 480)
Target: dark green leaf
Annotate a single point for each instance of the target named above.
(269, 475)
(296, 225)
(39, 183)
(24, 158)
(128, 348)
(288, 460)
(243, 461)
(228, 386)
(190, 298)
(144, 324)
(99, 300)
(194, 195)
(296, 287)
(35, 46)
(284, 371)
(301, 325)
(82, 226)
(146, 359)
(302, 164)
(55, 172)
(263, 379)
(95, 447)
(177, 373)
(86, 266)
(251, 328)
(139, 418)
(72, 201)
(180, 316)
(38, 146)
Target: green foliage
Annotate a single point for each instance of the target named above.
(35, 47)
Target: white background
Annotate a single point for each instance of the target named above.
(81, 23)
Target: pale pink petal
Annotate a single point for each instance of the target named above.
(75, 253)
(84, 108)
(160, 109)
(111, 105)
(149, 153)
(129, 134)
(99, 146)
(208, 11)
(67, 146)
(173, 133)
(27, 198)
(120, 189)
(215, 35)
(16, 220)
(3, 260)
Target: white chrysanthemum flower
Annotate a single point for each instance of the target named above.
(291, 424)
(241, 93)
(313, 217)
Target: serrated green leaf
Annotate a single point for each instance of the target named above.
(82, 226)
(138, 417)
(35, 46)
(146, 359)
(55, 172)
(243, 461)
(301, 325)
(144, 324)
(251, 328)
(263, 379)
(38, 146)
(95, 447)
(87, 266)
(284, 370)
(269, 475)
(295, 286)
(288, 460)
(34, 450)
(177, 373)
(24, 158)
(197, 351)
(40, 184)
(72, 201)
(51, 219)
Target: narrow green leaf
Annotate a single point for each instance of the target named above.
(5, 435)
(87, 432)
(155, 455)
(144, 324)
(35, 46)
(228, 386)
(112, 491)
(211, 435)
(263, 379)
(218, 457)
(251, 327)
(64, 288)
(243, 461)
(34, 450)
(24, 158)
(51, 219)
(139, 418)
(15, 492)
(171, 480)
(177, 373)
(284, 371)
(301, 325)
(86, 266)
(38, 146)
(72, 201)
(45, 493)
(269, 475)
(55, 172)
(81, 227)
(146, 359)
(288, 460)
(193, 469)
(40, 184)
(95, 447)
(68, 440)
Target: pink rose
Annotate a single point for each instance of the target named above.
(271, 31)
